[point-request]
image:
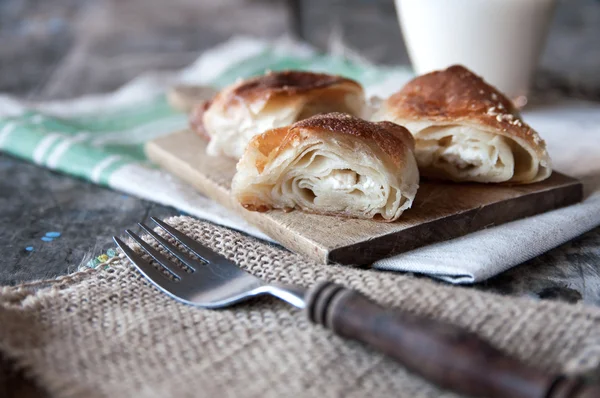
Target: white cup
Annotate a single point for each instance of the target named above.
(500, 40)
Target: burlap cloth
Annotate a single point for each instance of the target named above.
(110, 334)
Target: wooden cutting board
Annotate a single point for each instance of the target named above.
(440, 211)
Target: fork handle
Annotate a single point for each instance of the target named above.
(444, 354)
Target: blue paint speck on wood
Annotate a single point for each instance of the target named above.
(29, 248)
(52, 234)
(46, 239)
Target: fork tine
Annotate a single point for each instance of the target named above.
(193, 264)
(162, 260)
(195, 247)
(148, 270)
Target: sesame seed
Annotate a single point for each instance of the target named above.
(517, 122)
(481, 91)
(494, 96)
(499, 118)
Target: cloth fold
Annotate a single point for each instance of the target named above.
(109, 333)
(484, 254)
(101, 138)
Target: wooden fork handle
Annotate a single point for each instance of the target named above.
(446, 355)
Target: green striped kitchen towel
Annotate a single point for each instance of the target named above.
(100, 138)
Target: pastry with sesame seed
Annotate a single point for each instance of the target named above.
(466, 130)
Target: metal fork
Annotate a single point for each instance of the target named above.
(211, 281)
(441, 353)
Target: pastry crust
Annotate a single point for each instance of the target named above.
(393, 140)
(331, 164)
(456, 97)
(273, 100)
(283, 85)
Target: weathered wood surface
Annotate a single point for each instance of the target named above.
(440, 211)
(65, 48)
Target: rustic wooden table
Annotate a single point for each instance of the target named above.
(66, 48)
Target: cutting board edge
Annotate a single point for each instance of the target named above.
(569, 183)
(571, 192)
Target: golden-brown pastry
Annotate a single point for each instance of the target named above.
(276, 99)
(466, 130)
(333, 164)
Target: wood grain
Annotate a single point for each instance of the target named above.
(440, 211)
